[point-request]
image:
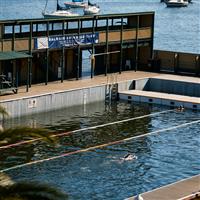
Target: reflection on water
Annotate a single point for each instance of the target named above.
(102, 173)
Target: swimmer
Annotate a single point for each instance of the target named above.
(129, 157)
(139, 197)
(180, 108)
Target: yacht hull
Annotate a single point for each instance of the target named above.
(75, 4)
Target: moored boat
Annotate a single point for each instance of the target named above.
(60, 12)
(176, 3)
(76, 4)
(91, 9)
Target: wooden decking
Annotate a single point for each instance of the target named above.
(57, 86)
(182, 190)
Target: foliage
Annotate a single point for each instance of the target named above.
(30, 191)
(12, 135)
(10, 190)
(3, 111)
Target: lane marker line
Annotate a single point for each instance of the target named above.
(83, 129)
(99, 146)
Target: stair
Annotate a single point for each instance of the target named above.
(111, 93)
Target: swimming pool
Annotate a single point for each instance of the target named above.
(101, 173)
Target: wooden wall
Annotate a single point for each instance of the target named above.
(114, 36)
(178, 62)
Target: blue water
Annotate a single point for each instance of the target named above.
(102, 173)
(176, 29)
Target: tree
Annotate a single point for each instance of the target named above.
(11, 190)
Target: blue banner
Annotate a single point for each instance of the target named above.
(66, 41)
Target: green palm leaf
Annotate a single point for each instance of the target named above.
(31, 191)
(5, 180)
(3, 111)
(12, 135)
(25, 190)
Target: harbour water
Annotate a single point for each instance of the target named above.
(176, 29)
(102, 173)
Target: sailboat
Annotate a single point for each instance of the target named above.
(60, 12)
(91, 9)
(76, 4)
(176, 3)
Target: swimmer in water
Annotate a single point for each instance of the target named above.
(129, 157)
(180, 108)
(139, 197)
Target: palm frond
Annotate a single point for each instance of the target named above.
(12, 135)
(31, 191)
(3, 111)
(5, 180)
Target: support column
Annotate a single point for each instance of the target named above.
(30, 53)
(121, 46)
(63, 65)
(16, 74)
(197, 65)
(13, 37)
(176, 62)
(136, 44)
(79, 51)
(47, 57)
(107, 57)
(63, 55)
(152, 36)
(93, 58)
(47, 67)
(28, 75)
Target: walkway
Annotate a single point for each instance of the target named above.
(75, 84)
(186, 189)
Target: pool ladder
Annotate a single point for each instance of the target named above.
(111, 89)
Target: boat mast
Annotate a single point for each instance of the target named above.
(58, 6)
(45, 7)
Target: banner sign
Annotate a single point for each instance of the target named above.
(66, 41)
(41, 43)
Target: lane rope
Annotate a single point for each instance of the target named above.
(99, 146)
(83, 129)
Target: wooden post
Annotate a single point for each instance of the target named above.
(63, 65)
(30, 53)
(47, 56)
(121, 46)
(197, 65)
(79, 51)
(136, 43)
(93, 58)
(63, 55)
(1, 31)
(47, 67)
(28, 75)
(13, 37)
(16, 74)
(176, 62)
(152, 36)
(107, 30)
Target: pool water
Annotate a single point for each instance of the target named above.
(103, 173)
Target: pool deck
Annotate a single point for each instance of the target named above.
(168, 98)
(186, 189)
(57, 86)
(162, 96)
